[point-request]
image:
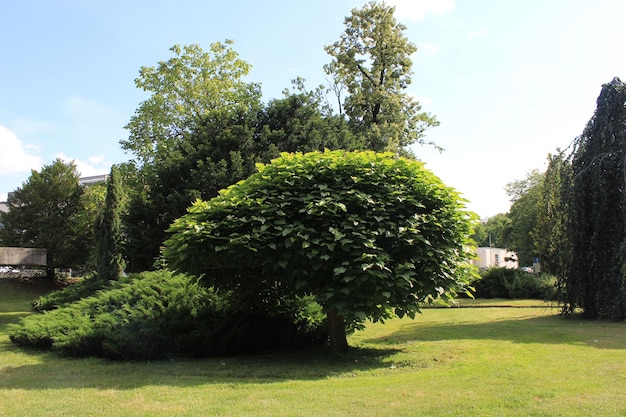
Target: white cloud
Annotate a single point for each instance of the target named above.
(417, 10)
(95, 165)
(98, 160)
(15, 157)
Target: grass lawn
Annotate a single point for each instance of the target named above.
(518, 360)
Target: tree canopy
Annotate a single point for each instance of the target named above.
(218, 149)
(493, 232)
(184, 89)
(372, 59)
(524, 195)
(44, 213)
(552, 231)
(365, 233)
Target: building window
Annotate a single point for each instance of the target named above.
(496, 259)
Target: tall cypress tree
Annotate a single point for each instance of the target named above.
(596, 281)
(109, 235)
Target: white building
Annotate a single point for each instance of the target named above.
(495, 258)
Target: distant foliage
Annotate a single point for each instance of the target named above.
(515, 284)
(552, 232)
(493, 232)
(157, 315)
(46, 213)
(524, 195)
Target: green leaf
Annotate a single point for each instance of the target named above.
(339, 270)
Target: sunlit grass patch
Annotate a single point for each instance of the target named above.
(488, 361)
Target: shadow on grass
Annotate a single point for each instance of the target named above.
(545, 330)
(56, 372)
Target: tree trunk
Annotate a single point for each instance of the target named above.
(337, 332)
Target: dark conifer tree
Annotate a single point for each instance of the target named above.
(109, 234)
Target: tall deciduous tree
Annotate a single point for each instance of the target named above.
(365, 233)
(372, 59)
(183, 90)
(44, 213)
(109, 232)
(552, 234)
(597, 277)
(524, 195)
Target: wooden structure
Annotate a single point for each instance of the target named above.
(23, 256)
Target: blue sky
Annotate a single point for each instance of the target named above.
(510, 81)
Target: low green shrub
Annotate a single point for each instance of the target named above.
(70, 293)
(155, 315)
(515, 284)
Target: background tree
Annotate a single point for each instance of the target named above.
(551, 235)
(302, 121)
(524, 195)
(219, 151)
(109, 232)
(364, 233)
(193, 148)
(183, 90)
(91, 203)
(372, 59)
(44, 213)
(192, 91)
(596, 281)
(493, 232)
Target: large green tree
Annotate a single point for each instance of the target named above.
(183, 90)
(44, 213)
(597, 276)
(193, 91)
(365, 233)
(372, 59)
(196, 148)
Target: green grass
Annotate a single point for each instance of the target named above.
(488, 361)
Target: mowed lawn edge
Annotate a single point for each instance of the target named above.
(524, 359)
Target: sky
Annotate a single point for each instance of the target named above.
(509, 81)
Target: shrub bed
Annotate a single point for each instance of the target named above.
(155, 315)
(513, 283)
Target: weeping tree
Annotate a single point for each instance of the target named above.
(367, 234)
(597, 276)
